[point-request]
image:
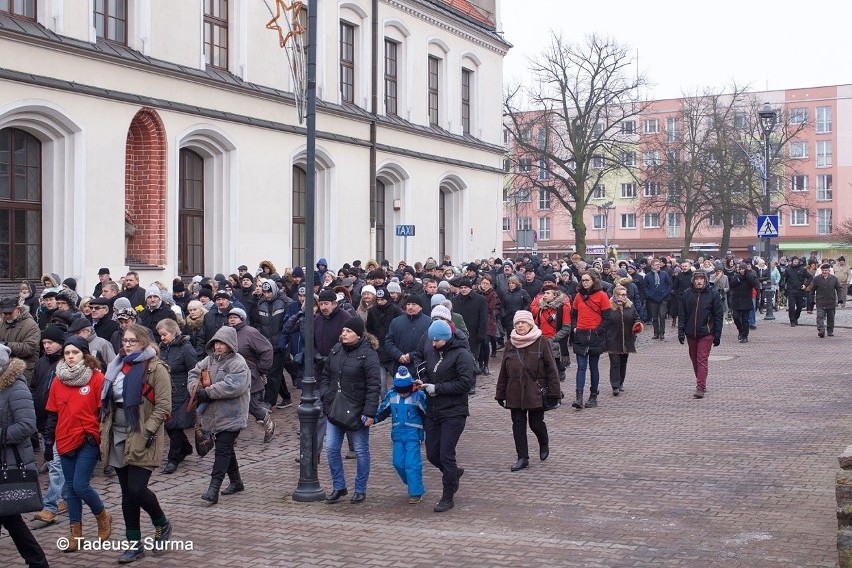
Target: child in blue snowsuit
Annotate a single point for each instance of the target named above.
(406, 406)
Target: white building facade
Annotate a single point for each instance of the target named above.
(163, 136)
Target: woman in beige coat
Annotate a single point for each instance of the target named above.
(135, 402)
(528, 367)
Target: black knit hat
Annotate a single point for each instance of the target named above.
(77, 342)
(356, 324)
(53, 333)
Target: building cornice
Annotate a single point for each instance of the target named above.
(458, 27)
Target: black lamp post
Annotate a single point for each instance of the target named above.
(309, 488)
(768, 118)
(603, 210)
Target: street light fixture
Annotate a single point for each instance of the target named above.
(604, 211)
(768, 118)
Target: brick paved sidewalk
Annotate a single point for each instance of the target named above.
(743, 477)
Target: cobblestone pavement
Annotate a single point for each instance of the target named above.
(744, 477)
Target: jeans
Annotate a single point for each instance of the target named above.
(590, 361)
(617, 369)
(825, 314)
(225, 460)
(699, 353)
(519, 430)
(334, 443)
(56, 484)
(136, 496)
(442, 437)
(752, 319)
(78, 466)
(657, 313)
(28, 547)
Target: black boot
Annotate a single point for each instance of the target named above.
(593, 400)
(212, 494)
(522, 463)
(578, 402)
(235, 486)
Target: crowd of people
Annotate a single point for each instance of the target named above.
(113, 374)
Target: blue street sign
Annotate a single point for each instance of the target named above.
(767, 226)
(405, 230)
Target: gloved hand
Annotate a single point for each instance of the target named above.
(717, 341)
(429, 388)
(48, 452)
(201, 395)
(501, 402)
(682, 338)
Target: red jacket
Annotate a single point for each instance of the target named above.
(547, 316)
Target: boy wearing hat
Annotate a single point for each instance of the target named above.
(407, 406)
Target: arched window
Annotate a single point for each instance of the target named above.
(191, 214)
(377, 217)
(300, 198)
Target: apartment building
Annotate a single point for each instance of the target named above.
(164, 136)
(813, 187)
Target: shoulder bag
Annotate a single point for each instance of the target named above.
(20, 491)
(548, 401)
(345, 411)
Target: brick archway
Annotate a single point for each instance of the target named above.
(145, 190)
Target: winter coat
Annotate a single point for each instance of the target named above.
(701, 313)
(257, 351)
(404, 335)
(842, 273)
(23, 338)
(619, 335)
(31, 301)
(230, 380)
(741, 289)
(136, 295)
(553, 318)
(794, 278)
(270, 316)
(658, 292)
(379, 319)
(532, 288)
(150, 318)
(180, 356)
(152, 418)
(213, 321)
(354, 369)
(450, 369)
(593, 306)
(827, 291)
(105, 327)
(43, 375)
(101, 349)
(474, 310)
(524, 372)
(492, 304)
(513, 300)
(633, 294)
(17, 413)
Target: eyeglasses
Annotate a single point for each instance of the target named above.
(130, 341)
(585, 279)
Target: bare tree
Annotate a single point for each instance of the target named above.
(842, 233)
(567, 127)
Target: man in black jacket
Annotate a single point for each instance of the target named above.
(474, 311)
(213, 320)
(794, 280)
(700, 322)
(742, 282)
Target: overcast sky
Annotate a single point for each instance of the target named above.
(685, 45)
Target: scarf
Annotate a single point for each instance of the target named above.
(521, 341)
(76, 376)
(135, 367)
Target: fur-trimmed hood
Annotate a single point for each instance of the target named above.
(13, 371)
(268, 264)
(623, 281)
(556, 304)
(372, 340)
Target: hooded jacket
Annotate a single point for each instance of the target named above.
(257, 351)
(553, 318)
(742, 286)
(354, 369)
(23, 337)
(270, 315)
(31, 301)
(230, 380)
(450, 369)
(17, 414)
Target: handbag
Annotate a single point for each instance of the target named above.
(20, 491)
(548, 402)
(204, 441)
(345, 412)
(203, 381)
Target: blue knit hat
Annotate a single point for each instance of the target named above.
(402, 382)
(440, 330)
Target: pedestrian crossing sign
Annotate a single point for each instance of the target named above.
(767, 226)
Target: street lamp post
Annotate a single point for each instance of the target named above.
(768, 118)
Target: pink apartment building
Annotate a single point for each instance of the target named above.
(818, 176)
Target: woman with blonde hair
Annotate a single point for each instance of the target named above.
(195, 312)
(621, 336)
